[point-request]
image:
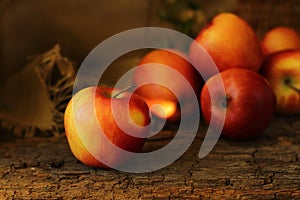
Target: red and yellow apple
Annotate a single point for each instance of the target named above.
(282, 70)
(280, 38)
(248, 103)
(151, 71)
(230, 41)
(92, 125)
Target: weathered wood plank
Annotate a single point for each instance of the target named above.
(265, 168)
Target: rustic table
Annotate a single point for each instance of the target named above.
(267, 167)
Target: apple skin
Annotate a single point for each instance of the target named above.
(249, 105)
(282, 70)
(280, 38)
(230, 41)
(80, 119)
(154, 93)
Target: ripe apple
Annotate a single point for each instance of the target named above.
(163, 83)
(230, 41)
(92, 107)
(280, 38)
(248, 104)
(282, 70)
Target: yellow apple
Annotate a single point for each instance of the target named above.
(89, 118)
(282, 70)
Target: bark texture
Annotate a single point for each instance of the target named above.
(267, 167)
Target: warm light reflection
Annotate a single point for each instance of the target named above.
(162, 108)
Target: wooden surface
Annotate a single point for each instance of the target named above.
(265, 168)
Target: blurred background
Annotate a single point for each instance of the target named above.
(32, 27)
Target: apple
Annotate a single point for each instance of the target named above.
(92, 107)
(248, 103)
(280, 38)
(158, 84)
(282, 70)
(230, 41)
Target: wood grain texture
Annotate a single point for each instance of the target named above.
(265, 168)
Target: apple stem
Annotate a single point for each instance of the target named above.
(124, 90)
(289, 84)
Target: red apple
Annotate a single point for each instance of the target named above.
(92, 107)
(163, 83)
(282, 70)
(230, 41)
(248, 104)
(280, 38)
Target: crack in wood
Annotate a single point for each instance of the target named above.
(265, 168)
